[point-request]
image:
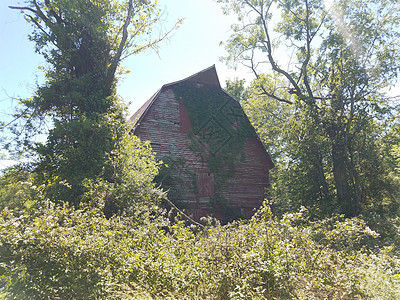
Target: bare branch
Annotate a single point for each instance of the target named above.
(308, 53)
(23, 8)
(53, 13)
(42, 15)
(153, 43)
(39, 26)
(254, 8)
(185, 216)
(296, 16)
(266, 93)
(15, 119)
(38, 12)
(271, 59)
(110, 72)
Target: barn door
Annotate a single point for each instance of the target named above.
(205, 184)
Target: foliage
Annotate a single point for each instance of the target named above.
(83, 43)
(69, 253)
(17, 190)
(76, 151)
(131, 189)
(112, 241)
(268, 117)
(236, 89)
(171, 178)
(345, 54)
(219, 130)
(303, 163)
(205, 106)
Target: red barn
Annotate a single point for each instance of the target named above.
(216, 164)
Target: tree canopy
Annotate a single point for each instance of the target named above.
(334, 60)
(83, 43)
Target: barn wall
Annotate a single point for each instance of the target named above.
(246, 189)
(161, 125)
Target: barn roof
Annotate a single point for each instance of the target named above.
(208, 76)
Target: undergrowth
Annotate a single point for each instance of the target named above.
(66, 253)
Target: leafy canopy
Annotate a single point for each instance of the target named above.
(334, 61)
(83, 43)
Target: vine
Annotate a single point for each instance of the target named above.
(219, 128)
(171, 178)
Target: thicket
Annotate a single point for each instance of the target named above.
(52, 251)
(66, 253)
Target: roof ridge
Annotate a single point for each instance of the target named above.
(206, 76)
(211, 68)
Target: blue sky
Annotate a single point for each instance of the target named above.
(194, 47)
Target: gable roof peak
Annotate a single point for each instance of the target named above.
(207, 76)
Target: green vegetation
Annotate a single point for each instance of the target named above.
(85, 220)
(83, 43)
(219, 126)
(61, 252)
(324, 102)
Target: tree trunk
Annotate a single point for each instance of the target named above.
(356, 185)
(323, 191)
(341, 177)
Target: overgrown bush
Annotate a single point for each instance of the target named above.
(131, 189)
(70, 254)
(17, 190)
(80, 254)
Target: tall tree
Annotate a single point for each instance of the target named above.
(83, 43)
(344, 54)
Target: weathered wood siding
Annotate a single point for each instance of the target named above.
(166, 125)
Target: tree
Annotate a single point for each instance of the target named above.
(236, 89)
(132, 189)
(344, 54)
(16, 189)
(294, 145)
(83, 43)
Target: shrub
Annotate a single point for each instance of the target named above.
(17, 190)
(131, 189)
(68, 253)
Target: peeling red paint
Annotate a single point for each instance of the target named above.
(185, 124)
(165, 122)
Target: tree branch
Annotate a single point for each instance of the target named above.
(110, 72)
(264, 91)
(23, 8)
(53, 13)
(308, 54)
(38, 12)
(271, 59)
(185, 216)
(40, 27)
(273, 96)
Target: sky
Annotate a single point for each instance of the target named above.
(195, 46)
